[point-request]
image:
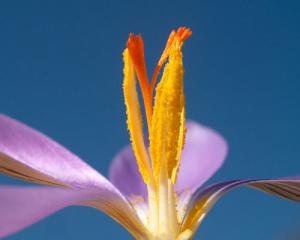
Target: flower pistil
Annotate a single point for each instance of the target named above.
(166, 126)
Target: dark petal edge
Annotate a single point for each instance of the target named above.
(204, 199)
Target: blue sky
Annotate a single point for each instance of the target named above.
(61, 72)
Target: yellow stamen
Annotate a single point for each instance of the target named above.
(134, 119)
(167, 135)
(181, 142)
(167, 130)
(166, 126)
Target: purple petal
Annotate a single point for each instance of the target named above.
(30, 155)
(22, 206)
(203, 154)
(204, 199)
(124, 174)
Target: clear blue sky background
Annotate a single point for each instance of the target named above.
(61, 72)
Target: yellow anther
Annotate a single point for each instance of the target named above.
(134, 119)
(167, 130)
(181, 142)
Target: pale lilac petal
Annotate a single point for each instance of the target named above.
(124, 174)
(203, 154)
(204, 199)
(22, 206)
(30, 155)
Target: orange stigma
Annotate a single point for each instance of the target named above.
(135, 46)
(159, 162)
(182, 34)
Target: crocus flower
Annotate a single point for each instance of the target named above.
(154, 188)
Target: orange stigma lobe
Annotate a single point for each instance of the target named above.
(135, 47)
(182, 34)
